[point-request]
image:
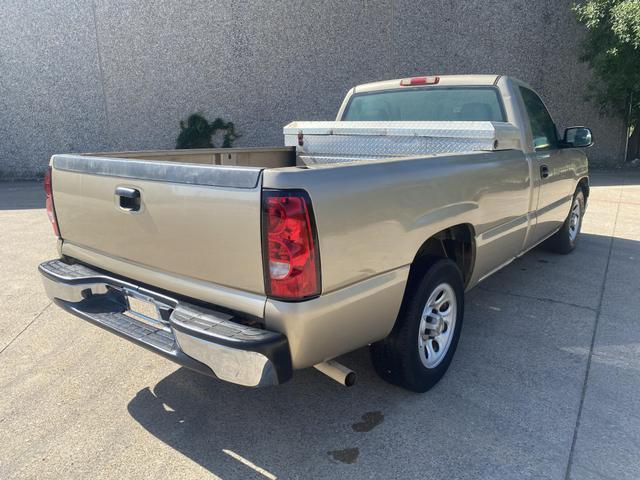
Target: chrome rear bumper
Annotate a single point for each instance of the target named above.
(205, 340)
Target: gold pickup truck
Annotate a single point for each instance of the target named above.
(247, 264)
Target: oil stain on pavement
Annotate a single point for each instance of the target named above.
(347, 455)
(370, 420)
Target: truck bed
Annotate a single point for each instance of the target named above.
(197, 216)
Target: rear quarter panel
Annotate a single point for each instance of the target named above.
(373, 217)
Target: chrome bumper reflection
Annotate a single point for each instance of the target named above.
(206, 340)
(251, 369)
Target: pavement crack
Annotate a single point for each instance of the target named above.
(26, 327)
(532, 297)
(593, 341)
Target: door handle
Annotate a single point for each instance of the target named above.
(129, 198)
(544, 171)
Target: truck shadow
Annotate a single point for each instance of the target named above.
(21, 195)
(514, 385)
(215, 423)
(611, 178)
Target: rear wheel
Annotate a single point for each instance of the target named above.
(419, 350)
(565, 239)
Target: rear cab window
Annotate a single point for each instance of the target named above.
(427, 104)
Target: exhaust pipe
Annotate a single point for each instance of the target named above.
(338, 372)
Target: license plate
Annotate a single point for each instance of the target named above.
(144, 310)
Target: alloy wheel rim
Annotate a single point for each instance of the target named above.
(574, 220)
(437, 325)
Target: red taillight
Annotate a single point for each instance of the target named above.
(49, 202)
(406, 82)
(290, 250)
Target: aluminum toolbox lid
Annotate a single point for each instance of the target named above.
(376, 139)
(448, 129)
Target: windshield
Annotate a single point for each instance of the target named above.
(427, 104)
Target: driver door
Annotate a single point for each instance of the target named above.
(552, 175)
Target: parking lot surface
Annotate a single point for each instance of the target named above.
(545, 383)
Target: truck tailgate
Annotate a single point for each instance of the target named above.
(196, 221)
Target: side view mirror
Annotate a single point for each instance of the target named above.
(577, 137)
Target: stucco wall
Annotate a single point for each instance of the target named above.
(88, 76)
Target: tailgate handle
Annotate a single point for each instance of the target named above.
(129, 198)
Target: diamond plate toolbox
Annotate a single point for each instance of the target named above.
(327, 142)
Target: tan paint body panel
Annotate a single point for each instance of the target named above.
(340, 321)
(206, 233)
(246, 302)
(372, 217)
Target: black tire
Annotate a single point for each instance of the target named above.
(397, 358)
(564, 241)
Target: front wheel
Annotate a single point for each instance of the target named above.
(421, 345)
(565, 239)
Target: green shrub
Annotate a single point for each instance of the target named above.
(612, 48)
(197, 132)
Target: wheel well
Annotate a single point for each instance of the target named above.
(584, 185)
(456, 243)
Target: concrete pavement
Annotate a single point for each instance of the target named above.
(545, 383)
